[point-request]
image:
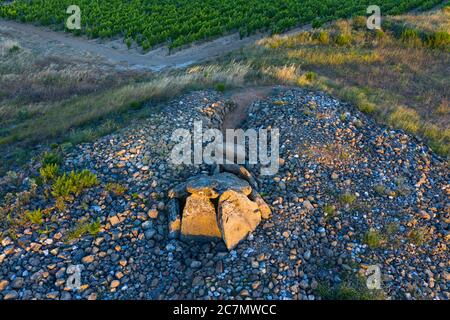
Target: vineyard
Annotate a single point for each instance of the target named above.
(179, 22)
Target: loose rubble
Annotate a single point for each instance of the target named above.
(341, 176)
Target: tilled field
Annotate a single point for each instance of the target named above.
(349, 194)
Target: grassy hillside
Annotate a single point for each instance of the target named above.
(400, 76)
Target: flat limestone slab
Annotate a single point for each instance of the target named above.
(213, 186)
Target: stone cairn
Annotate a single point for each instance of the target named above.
(225, 205)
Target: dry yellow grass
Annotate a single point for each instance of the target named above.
(384, 73)
(45, 99)
(77, 111)
(436, 20)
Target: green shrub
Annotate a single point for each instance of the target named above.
(347, 198)
(66, 146)
(35, 216)
(438, 139)
(129, 42)
(439, 39)
(115, 188)
(379, 34)
(136, 105)
(311, 76)
(49, 172)
(417, 236)
(373, 239)
(359, 22)
(23, 115)
(317, 23)
(84, 227)
(344, 39)
(380, 189)
(220, 87)
(323, 37)
(329, 209)
(73, 183)
(411, 37)
(359, 98)
(51, 158)
(392, 228)
(14, 49)
(353, 287)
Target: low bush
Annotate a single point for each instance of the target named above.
(73, 183)
(373, 239)
(51, 158)
(116, 188)
(35, 216)
(49, 172)
(84, 227)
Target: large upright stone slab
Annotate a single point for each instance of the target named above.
(199, 219)
(238, 216)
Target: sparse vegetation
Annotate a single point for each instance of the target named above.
(49, 172)
(115, 188)
(84, 227)
(392, 228)
(220, 87)
(380, 72)
(374, 239)
(73, 183)
(35, 216)
(347, 198)
(418, 236)
(85, 117)
(51, 158)
(380, 189)
(353, 287)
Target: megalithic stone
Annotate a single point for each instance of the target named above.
(241, 172)
(213, 186)
(238, 216)
(199, 219)
(178, 192)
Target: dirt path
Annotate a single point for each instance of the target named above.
(243, 99)
(116, 52)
